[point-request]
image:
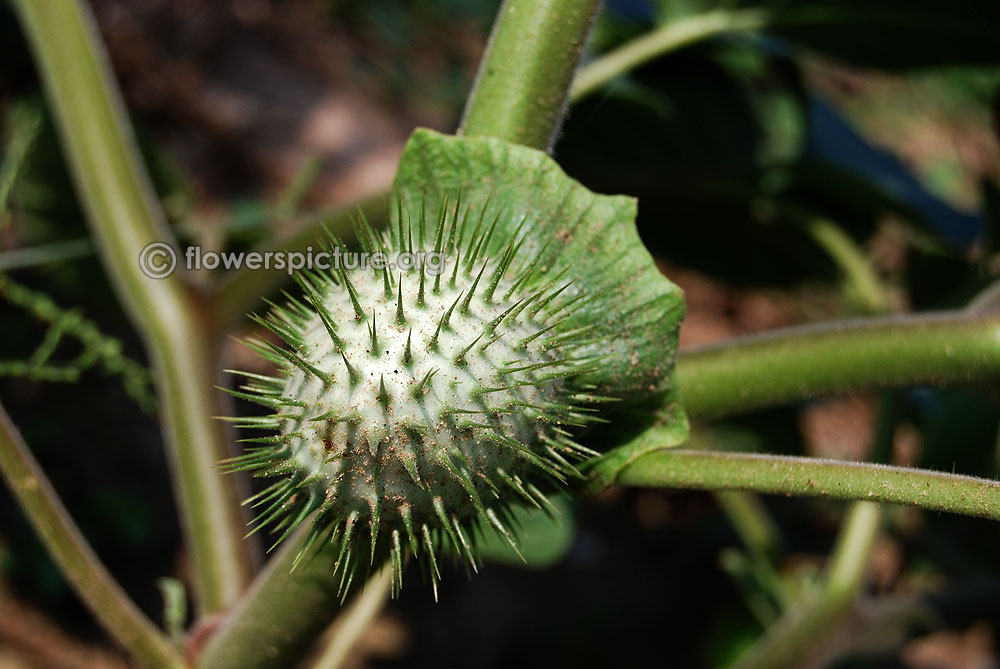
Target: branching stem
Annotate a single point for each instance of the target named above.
(124, 218)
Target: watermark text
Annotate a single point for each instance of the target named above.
(159, 260)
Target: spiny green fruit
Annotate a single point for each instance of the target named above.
(412, 407)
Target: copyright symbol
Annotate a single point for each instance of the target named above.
(157, 260)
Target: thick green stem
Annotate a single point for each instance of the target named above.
(124, 218)
(786, 642)
(940, 349)
(812, 477)
(521, 91)
(669, 37)
(283, 613)
(119, 616)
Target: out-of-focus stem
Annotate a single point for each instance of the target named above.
(788, 640)
(669, 37)
(938, 349)
(120, 617)
(124, 218)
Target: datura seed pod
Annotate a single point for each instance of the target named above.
(414, 407)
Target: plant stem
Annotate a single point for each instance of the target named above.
(751, 522)
(354, 620)
(119, 616)
(669, 37)
(860, 279)
(284, 611)
(940, 349)
(787, 641)
(46, 253)
(812, 477)
(522, 87)
(124, 217)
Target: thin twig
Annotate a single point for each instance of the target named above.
(787, 641)
(354, 620)
(669, 37)
(119, 616)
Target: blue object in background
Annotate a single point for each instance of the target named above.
(831, 140)
(633, 10)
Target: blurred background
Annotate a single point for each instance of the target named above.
(842, 159)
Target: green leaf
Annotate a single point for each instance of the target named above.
(542, 541)
(669, 429)
(592, 238)
(174, 607)
(24, 121)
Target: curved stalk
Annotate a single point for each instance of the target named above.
(861, 281)
(813, 477)
(669, 37)
(117, 614)
(124, 217)
(522, 87)
(787, 641)
(940, 349)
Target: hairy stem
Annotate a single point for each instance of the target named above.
(812, 477)
(940, 349)
(669, 37)
(124, 218)
(119, 616)
(522, 88)
(285, 610)
(787, 641)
